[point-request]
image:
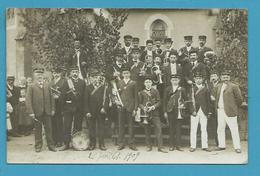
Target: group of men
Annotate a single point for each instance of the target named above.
(147, 86)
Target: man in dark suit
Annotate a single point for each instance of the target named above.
(149, 102)
(202, 49)
(172, 68)
(41, 107)
(149, 50)
(96, 107)
(73, 99)
(168, 50)
(228, 101)
(127, 49)
(78, 58)
(13, 99)
(128, 93)
(200, 110)
(173, 103)
(197, 65)
(57, 84)
(185, 51)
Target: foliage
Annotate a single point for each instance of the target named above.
(231, 42)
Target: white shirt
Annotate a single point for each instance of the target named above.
(126, 80)
(221, 97)
(173, 67)
(127, 48)
(188, 48)
(149, 52)
(119, 64)
(78, 63)
(174, 88)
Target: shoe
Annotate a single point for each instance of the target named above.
(206, 149)
(179, 149)
(91, 147)
(103, 148)
(133, 148)
(62, 148)
(52, 148)
(238, 151)
(59, 144)
(171, 148)
(192, 149)
(149, 148)
(37, 150)
(162, 150)
(220, 149)
(120, 147)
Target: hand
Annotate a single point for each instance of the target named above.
(32, 116)
(55, 96)
(212, 98)
(88, 115)
(182, 106)
(52, 113)
(134, 113)
(209, 115)
(189, 82)
(165, 64)
(244, 104)
(194, 114)
(116, 74)
(103, 111)
(83, 63)
(114, 92)
(166, 115)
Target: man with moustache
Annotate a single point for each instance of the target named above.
(127, 49)
(202, 49)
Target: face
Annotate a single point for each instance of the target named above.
(168, 45)
(188, 42)
(39, 77)
(23, 92)
(74, 73)
(193, 56)
(213, 77)
(173, 58)
(175, 81)
(135, 56)
(202, 42)
(56, 75)
(149, 46)
(10, 82)
(128, 42)
(29, 80)
(136, 44)
(148, 84)
(77, 44)
(148, 59)
(126, 74)
(225, 78)
(158, 44)
(95, 79)
(198, 80)
(157, 60)
(119, 59)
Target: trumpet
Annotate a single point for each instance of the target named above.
(156, 68)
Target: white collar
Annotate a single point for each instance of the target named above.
(126, 80)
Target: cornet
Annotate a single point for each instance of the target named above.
(155, 68)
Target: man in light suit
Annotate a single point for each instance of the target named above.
(228, 101)
(40, 107)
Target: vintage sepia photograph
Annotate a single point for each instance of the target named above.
(126, 86)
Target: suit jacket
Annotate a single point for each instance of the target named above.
(153, 97)
(110, 71)
(202, 100)
(128, 94)
(232, 98)
(73, 60)
(127, 54)
(95, 99)
(144, 53)
(201, 68)
(166, 53)
(170, 98)
(135, 74)
(167, 73)
(74, 101)
(14, 99)
(185, 53)
(58, 86)
(39, 100)
(202, 51)
(187, 73)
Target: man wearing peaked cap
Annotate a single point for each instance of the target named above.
(202, 49)
(184, 52)
(228, 100)
(136, 41)
(148, 51)
(169, 49)
(127, 47)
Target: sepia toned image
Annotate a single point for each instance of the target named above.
(126, 86)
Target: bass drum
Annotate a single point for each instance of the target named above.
(80, 141)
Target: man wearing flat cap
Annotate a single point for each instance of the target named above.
(40, 106)
(184, 52)
(202, 49)
(73, 99)
(79, 58)
(96, 104)
(228, 100)
(57, 85)
(13, 98)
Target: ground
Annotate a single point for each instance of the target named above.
(21, 150)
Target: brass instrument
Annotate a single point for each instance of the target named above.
(146, 117)
(166, 58)
(180, 106)
(143, 70)
(118, 100)
(159, 75)
(55, 92)
(118, 73)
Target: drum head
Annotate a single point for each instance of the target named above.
(80, 141)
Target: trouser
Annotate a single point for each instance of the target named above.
(223, 119)
(125, 117)
(57, 126)
(195, 120)
(157, 129)
(43, 121)
(175, 126)
(96, 129)
(70, 117)
(14, 120)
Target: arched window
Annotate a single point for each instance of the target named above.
(158, 30)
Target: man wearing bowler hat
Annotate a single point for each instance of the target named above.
(228, 100)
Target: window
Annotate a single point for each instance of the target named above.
(158, 30)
